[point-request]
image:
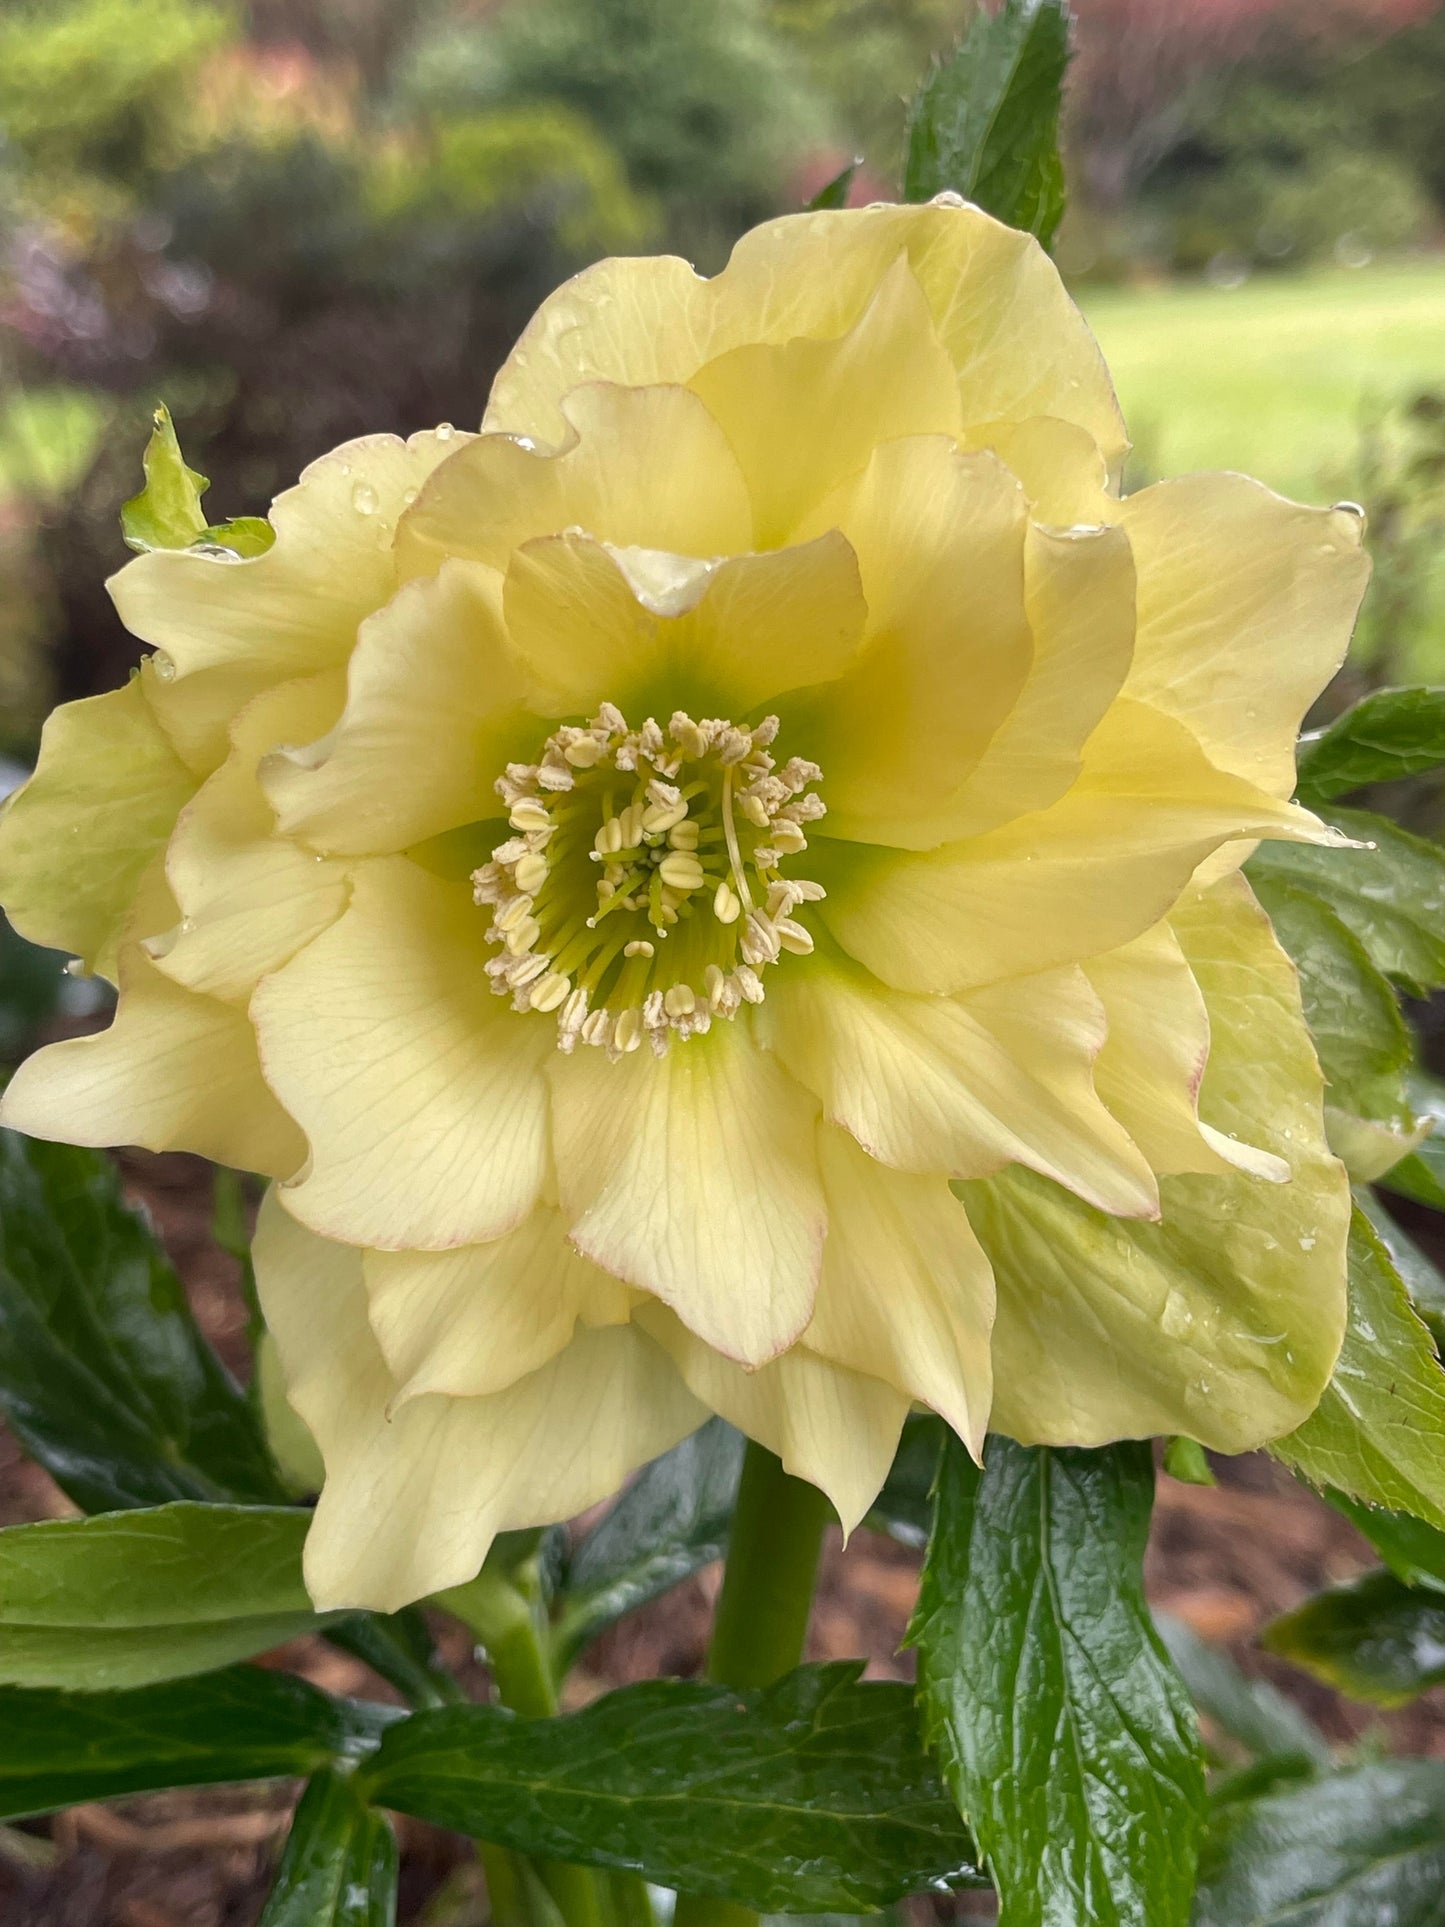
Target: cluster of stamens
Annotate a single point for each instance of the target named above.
(641, 896)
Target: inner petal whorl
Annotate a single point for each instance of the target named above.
(641, 894)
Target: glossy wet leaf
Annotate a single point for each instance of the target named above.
(834, 193)
(1363, 1045)
(669, 1523)
(31, 980)
(1378, 1639)
(811, 1796)
(1250, 1711)
(131, 1597)
(1386, 735)
(1065, 1732)
(1421, 1176)
(985, 122)
(103, 1374)
(1390, 894)
(1414, 1551)
(1378, 1433)
(60, 1749)
(1358, 1849)
(339, 1867)
(1424, 1284)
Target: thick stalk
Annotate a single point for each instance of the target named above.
(764, 1606)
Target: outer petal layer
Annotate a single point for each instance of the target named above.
(77, 838)
(412, 1502)
(694, 1177)
(421, 1093)
(1223, 1322)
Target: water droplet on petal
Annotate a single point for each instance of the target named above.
(364, 499)
(409, 497)
(445, 431)
(162, 667)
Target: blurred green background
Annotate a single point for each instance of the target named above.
(300, 220)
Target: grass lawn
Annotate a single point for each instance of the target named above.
(1273, 377)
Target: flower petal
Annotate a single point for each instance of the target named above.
(420, 1092)
(907, 1293)
(1018, 344)
(801, 415)
(939, 538)
(1223, 1321)
(248, 899)
(748, 629)
(433, 715)
(174, 1072)
(1235, 581)
(295, 608)
(477, 1319)
(694, 1176)
(835, 1428)
(412, 1502)
(76, 839)
(962, 1085)
(1093, 871)
(1153, 1060)
(640, 467)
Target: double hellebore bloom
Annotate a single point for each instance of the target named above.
(721, 892)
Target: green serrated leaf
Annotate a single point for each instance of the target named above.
(904, 1508)
(1065, 1733)
(245, 536)
(1250, 1711)
(1358, 1849)
(1378, 1432)
(1388, 734)
(985, 122)
(61, 1749)
(1363, 1044)
(1391, 895)
(834, 193)
(1377, 1639)
(1423, 1283)
(167, 513)
(1421, 1175)
(813, 1795)
(1414, 1551)
(132, 1597)
(103, 1374)
(339, 1868)
(671, 1522)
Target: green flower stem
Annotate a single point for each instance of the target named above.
(513, 1629)
(763, 1609)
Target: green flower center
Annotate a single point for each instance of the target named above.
(642, 894)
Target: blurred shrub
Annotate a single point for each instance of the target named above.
(1401, 633)
(1347, 204)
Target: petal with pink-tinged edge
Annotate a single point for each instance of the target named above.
(174, 1072)
(421, 1093)
(1094, 871)
(694, 1177)
(475, 1320)
(836, 1428)
(907, 1293)
(412, 1502)
(962, 1085)
(433, 715)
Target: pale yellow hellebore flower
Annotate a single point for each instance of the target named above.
(464, 865)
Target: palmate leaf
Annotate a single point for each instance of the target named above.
(985, 122)
(103, 1374)
(340, 1864)
(1065, 1733)
(61, 1749)
(1358, 1849)
(1388, 734)
(1376, 1639)
(810, 1796)
(1378, 1433)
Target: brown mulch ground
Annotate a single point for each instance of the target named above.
(1226, 1560)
